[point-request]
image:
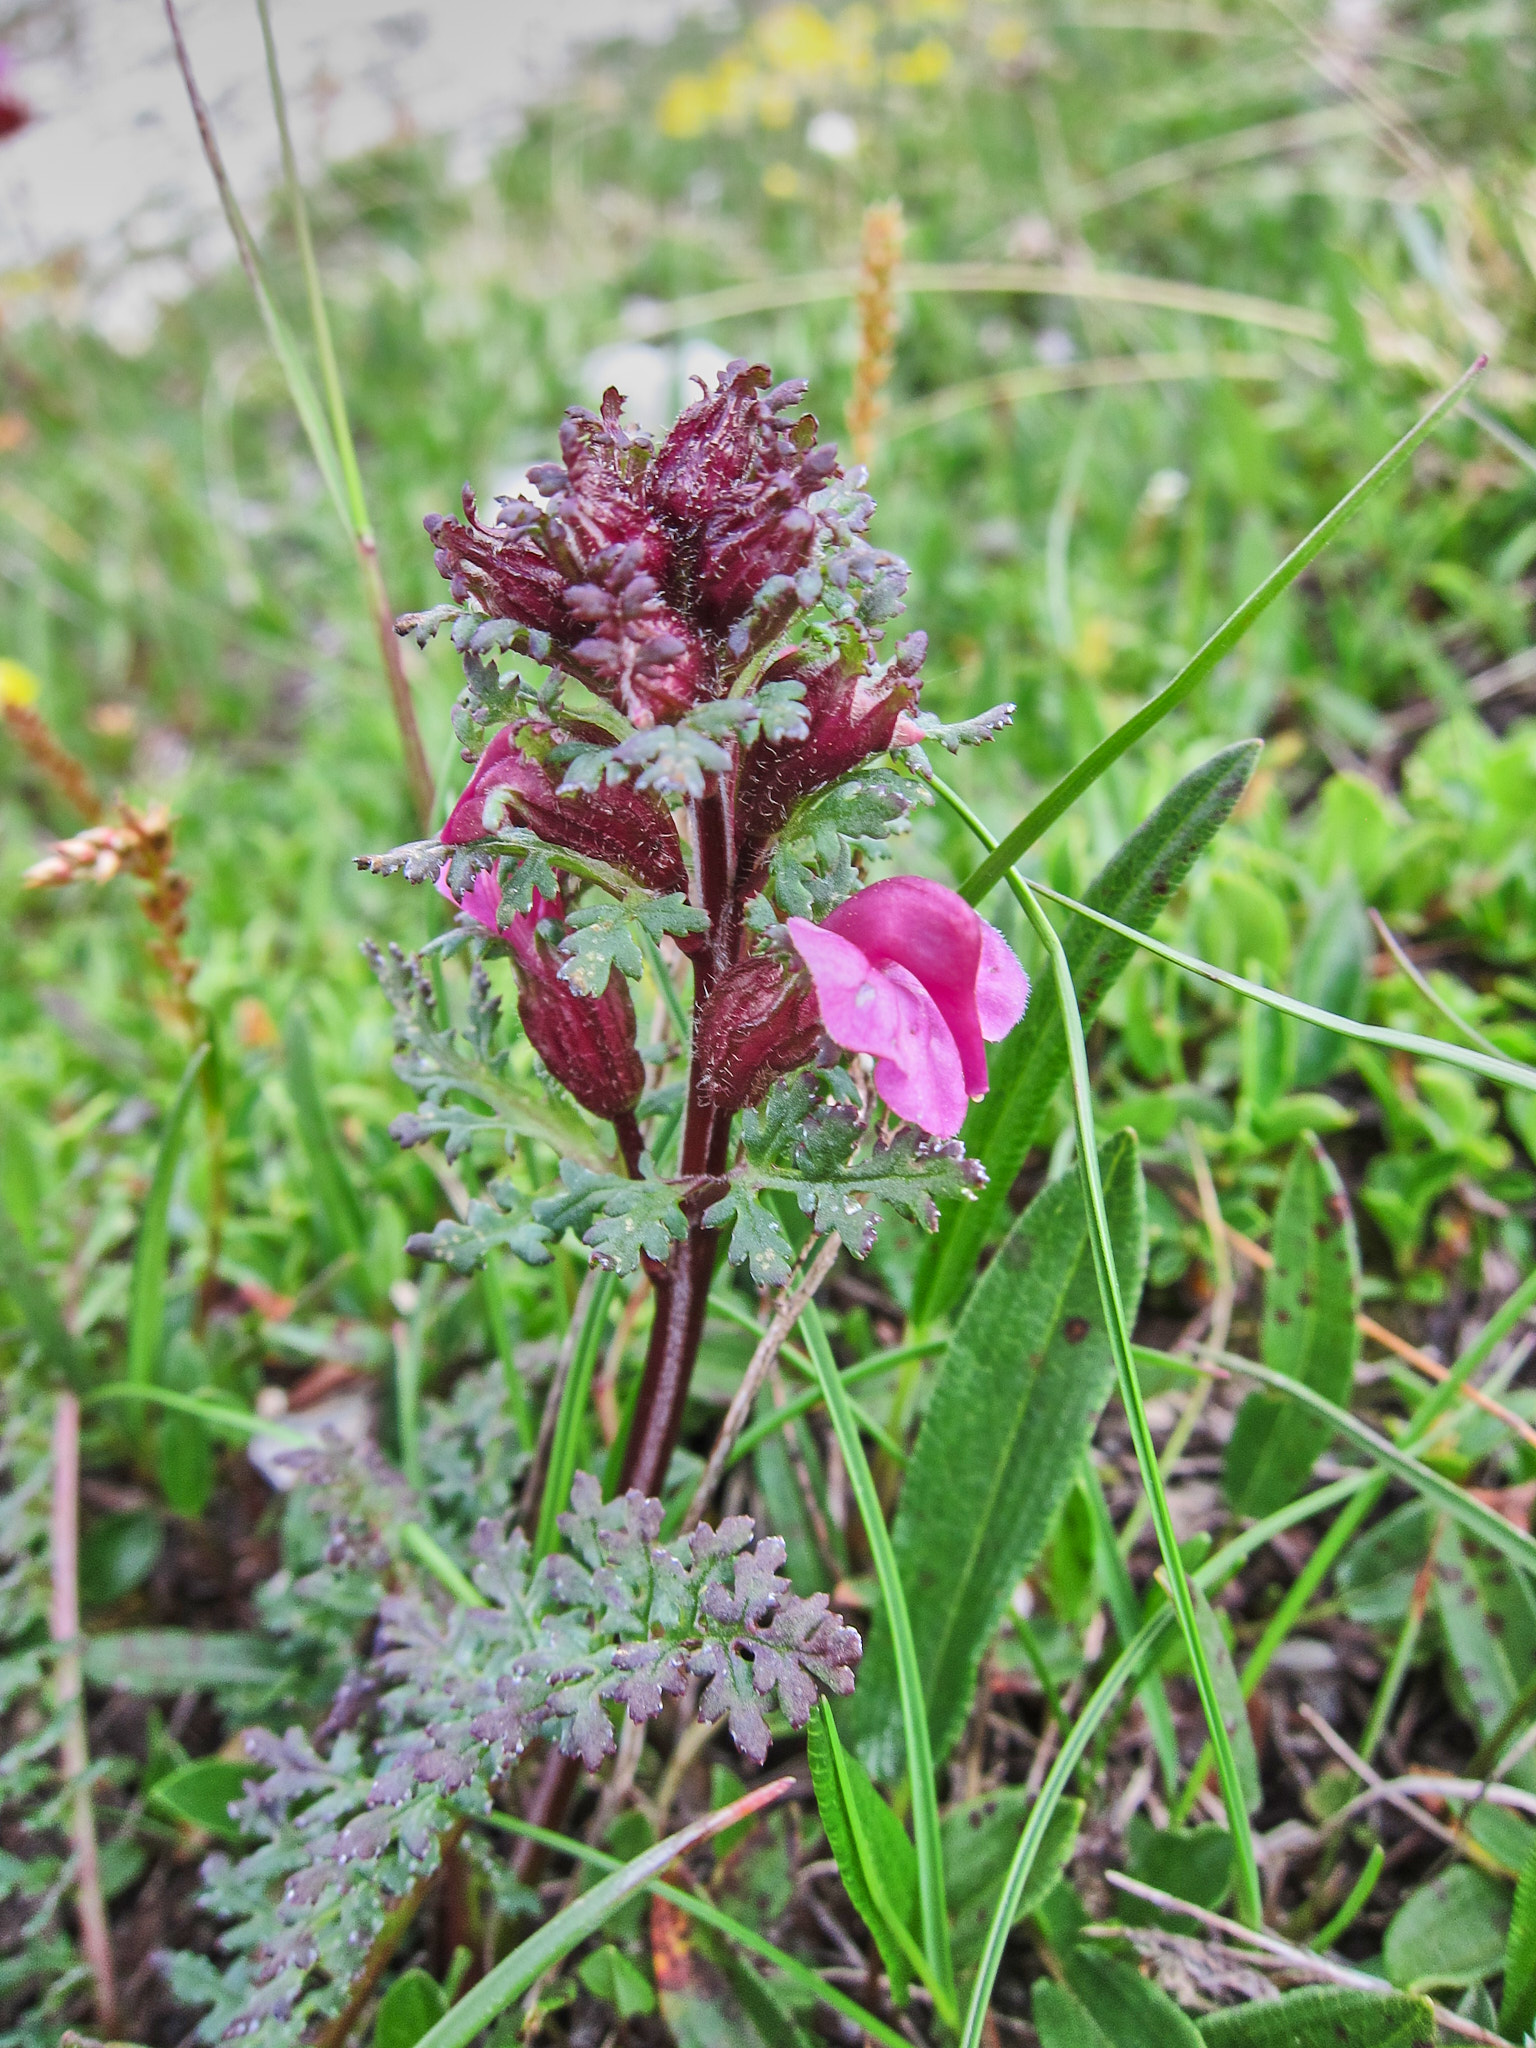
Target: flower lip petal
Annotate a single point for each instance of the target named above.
(1002, 986)
(935, 935)
(885, 1010)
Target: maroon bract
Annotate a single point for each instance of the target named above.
(759, 1022)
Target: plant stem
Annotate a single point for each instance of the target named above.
(64, 1628)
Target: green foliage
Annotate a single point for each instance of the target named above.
(1029, 1068)
(1311, 1299)
(1517, 2010)
(201, 1794)
(1018, 1394)
(1320, 2017)
(875, 1857)
(1449, 1933)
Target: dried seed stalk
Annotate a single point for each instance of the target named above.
(880, 251)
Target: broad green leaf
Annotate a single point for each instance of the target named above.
(1229, 1699)
(175, 1660)
(979, 1838)
(1191, 1863)
(1323, 2016)
(1331, 969)
(1025, 1378)
(1062, 2021)
(1517, 2013)
(146, 1295)
(412, 2006)
(609, 1974)
(1449, 1933)
(201, 1794)
(118, 1553)
(1310, 1302)
(875, 1858)
(1129, 2010)
(1030, 1066)
(1487, 1616)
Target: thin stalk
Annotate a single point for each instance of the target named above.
(68, 1691)
(1250, 1897)
(914, 1714)
(1431, 995)
(1135, 1658)
(1508, 1073)
(1391, 1685)
(1126, 1609)
(1333, 1931)
(1221, 642)
(708, 1914)
(391, 653)
(574, 1397)
(426, 1550)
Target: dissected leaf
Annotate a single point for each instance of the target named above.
(757, 1236)
(601, 936)
(1022, 1384)
(1311, 1299)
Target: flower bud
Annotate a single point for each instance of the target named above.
(587, 1042)
(761, 1020)
(849, 716)
(628, 827)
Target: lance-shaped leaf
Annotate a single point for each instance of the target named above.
(875, 1856)
(1311, 1299)
(1324, 2016)
(1029, 1067)
(1487, 1614)
(1025, 1378)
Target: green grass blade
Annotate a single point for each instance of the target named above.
(237, 1422)
(1354, 1905)
(574, 1396)
(1133, 1660)
(1221, 643)
(1508, 1073)
(874, 1858)
(146, 1294)
(1125, 1609)
(1026, 1072)
(810, 1397)
(557, 1937)
(498, 1326)
(337, 1197)
(427, 1551)
(1249, 1897)
(710, 1915)
(1517, 2012)
(1472, 1515)
(306, 400)
(914, 1715)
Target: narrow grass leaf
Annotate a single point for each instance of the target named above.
(875, 1859)
(1028, 1069)
(1311, 1299)
(914, 1715)
(146, 1294)
(339, 1205)
(565, 1444)
(1221, 642)
(1014, 1406)
(553, 1942)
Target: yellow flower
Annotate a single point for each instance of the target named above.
(18, 685)
(687, 107)
(781, 181)
(798, 40)
(924, 64)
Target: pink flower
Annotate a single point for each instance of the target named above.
(482, 899)
(906, 970)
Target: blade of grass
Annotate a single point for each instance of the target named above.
(557, 1937)
(1125, 1608)
(429, 1552)
(709, 1914)
(1431, 995)
(1359, 1892)
(493, 1302)
(1249, 1895)
(1200, 665)
(810, 1397)
(239, 1422)
(1135, 1658)
(338, 1198)
(391, 653)
(574, 1396)
(925, 1806)
(146, 1293)
(1508, 1073)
